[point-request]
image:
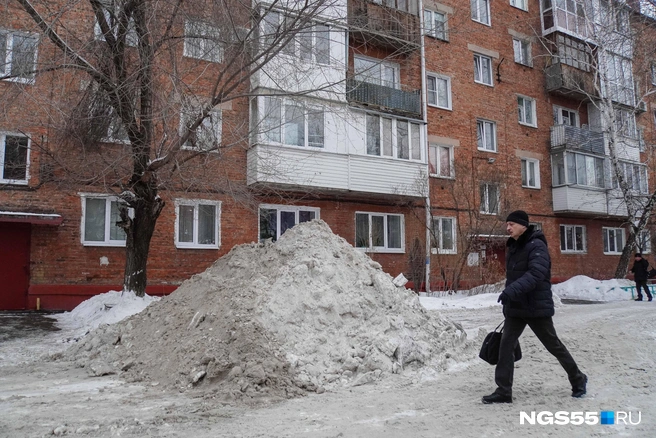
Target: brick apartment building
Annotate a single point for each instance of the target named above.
(412, 128)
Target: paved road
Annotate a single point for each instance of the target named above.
(14, 325)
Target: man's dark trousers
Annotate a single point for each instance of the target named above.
(546, 333)
(643, 284)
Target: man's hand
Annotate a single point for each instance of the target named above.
(503, 298)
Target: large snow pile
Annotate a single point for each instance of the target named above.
(305, 313)
(581, 287)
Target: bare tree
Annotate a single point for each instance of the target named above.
(600, 66)
(143, 84)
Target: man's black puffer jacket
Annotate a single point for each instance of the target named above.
(528, 276)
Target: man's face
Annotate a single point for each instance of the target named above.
(637, 258)
(515, 230)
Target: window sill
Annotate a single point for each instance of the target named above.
(528, 125)
(212, 247)
(436, 251)
(532, 188)
(612, 253)
(483, 23)
(383, 250)
(435, 175)
(105, 244)
(488, 150)
(573, 252)
(446, 40)
(14, 182)
(483, 83)
(431, 105)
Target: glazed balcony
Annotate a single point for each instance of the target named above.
(392, 24)
(577, 139)
(565, 80)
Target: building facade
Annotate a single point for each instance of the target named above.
(411, 127)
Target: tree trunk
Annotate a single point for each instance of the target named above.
(137, 246)
(625, 259)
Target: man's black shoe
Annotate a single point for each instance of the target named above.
(496, 398)
(580, 389)
(638, 299)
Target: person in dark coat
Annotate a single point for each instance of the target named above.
(527, 300)
(640, 271)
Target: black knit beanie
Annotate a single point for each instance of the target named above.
(519, 217)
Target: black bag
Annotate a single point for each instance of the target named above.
(490, 348)
(651, 273)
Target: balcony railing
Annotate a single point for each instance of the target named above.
(385, 98)
(579, 139)
(570, 81)
(385, 25)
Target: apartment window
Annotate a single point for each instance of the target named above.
(565, 116)
(526, 111)
(625, 123)
(438, 90)
(197, 224)
(311, 42)
(480, 11)
(619, 74)
(613, 240)
(202, 41)
(482, 69)
(390, 137)
(580, 169)
(401, 5)
(489, 198)
(444, 235)
(643, 241)
(14, 158)
(522, 50)
(207, 136)
(276, 219)
(486, 133)
(112, 18)
(18, 56)
(634, 175)
(440, 160)
(100, 215)
(292, 123)
(572, 238)
(653, 72)
(376, 71)
(530, 173)
(573, 52)
(435, 23)
(566, 14)
(521, 4)
(379, 232)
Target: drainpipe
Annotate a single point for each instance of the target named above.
(427, 204)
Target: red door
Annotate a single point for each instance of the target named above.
(14, 265)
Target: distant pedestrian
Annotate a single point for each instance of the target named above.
(527, 300)
(640, 271)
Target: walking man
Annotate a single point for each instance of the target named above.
(640, 271)
(527, 300)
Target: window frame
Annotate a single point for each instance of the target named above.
(606, 240)
(3, 153)
(431, 29)
(107, 240)
(476, 11)
(376, 64)
(485, 207)
(584, 243)
(525, 174)
(438, 77)
(479, 70)
(278, 134)
(385, 248)
(9, 58)
(482, 140)
(213, 122)
(522, 49)
(296, 209)
(646, 247)
(131, 37)
(196, 203)
(514, 4)
(437, 165)
(628, 169)
(522, 111)
(438, 233)
(559, 119)
(213, 54)
(394, 149)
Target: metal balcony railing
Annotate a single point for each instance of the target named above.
(386, 98)
(570, 81)
(580, 139)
